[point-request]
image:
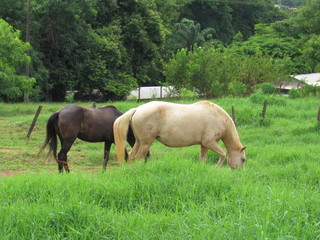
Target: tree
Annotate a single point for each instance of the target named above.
(61, 37)
(296, 37)
(12, 58)
(308, 17)
(210, 14)
(187, 34)
(214, 73)
(246, 14)
(268, 41)
(104, 44)
(311, 52)
(143, 36)
(230, 17)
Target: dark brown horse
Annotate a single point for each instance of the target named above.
(85, 123)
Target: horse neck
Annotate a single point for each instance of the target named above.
(231, 139)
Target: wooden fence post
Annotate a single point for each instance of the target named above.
(33, 122)
(264, 109)
(233, 114)
(138, 94)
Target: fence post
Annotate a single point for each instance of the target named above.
(233, 114)
(264, 109)
(94, 104)
(138, 94)
(33, 122)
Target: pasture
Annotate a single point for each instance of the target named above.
(173, 196)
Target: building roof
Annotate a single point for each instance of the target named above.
(310, 78)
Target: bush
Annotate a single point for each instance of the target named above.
(268, 88)
(309, 90)
(259, 98)
(70, 97)
(214, 73)
(132, 98)
(294, 93)
(237, 89)
(187, 94)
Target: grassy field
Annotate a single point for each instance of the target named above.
(172, 196)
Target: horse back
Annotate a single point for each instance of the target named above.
(179, 125)
(98, 123)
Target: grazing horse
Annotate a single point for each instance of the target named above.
(85, 123)
(179, 125)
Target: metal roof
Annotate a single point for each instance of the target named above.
(310, 78)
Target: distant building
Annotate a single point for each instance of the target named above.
(310, 78)
(152, 92)
(299, 81)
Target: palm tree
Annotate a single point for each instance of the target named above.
(187, 34)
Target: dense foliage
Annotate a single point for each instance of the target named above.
(115, 46)
(13, 57)
(211, 73)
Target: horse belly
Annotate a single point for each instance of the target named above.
(179, 137)
(96, 137)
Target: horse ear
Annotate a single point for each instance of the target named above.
(243, 148)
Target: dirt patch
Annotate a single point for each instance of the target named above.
(7, 173)
(12, 149)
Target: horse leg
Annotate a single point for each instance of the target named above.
(134, 150)
(131, 140)
(147, 157)
(63, 161)
(143, 151)
(62, 156)
(60, 166)
(107, 146)
(203, 155)
(214, 146)
(126, 155)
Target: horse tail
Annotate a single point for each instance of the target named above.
(120, 130)
(51, 137)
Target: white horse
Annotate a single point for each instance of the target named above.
(179, 125)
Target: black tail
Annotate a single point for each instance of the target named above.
(51, 138)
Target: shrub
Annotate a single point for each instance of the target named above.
(268, 88)
(132, 98)
(237, 88)
(259, 98)
(294, 93)
(70, 97)
(309, 90)
(187, 94)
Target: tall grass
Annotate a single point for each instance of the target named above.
(172, 196)
(164, 199)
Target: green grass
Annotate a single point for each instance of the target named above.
(172, 196)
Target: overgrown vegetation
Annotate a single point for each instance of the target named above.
(12, 57)
(213, 73)
(172, 196)
(115, 46)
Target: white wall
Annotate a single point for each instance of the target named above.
(151, 92)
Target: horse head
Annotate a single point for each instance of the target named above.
(237, 158)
